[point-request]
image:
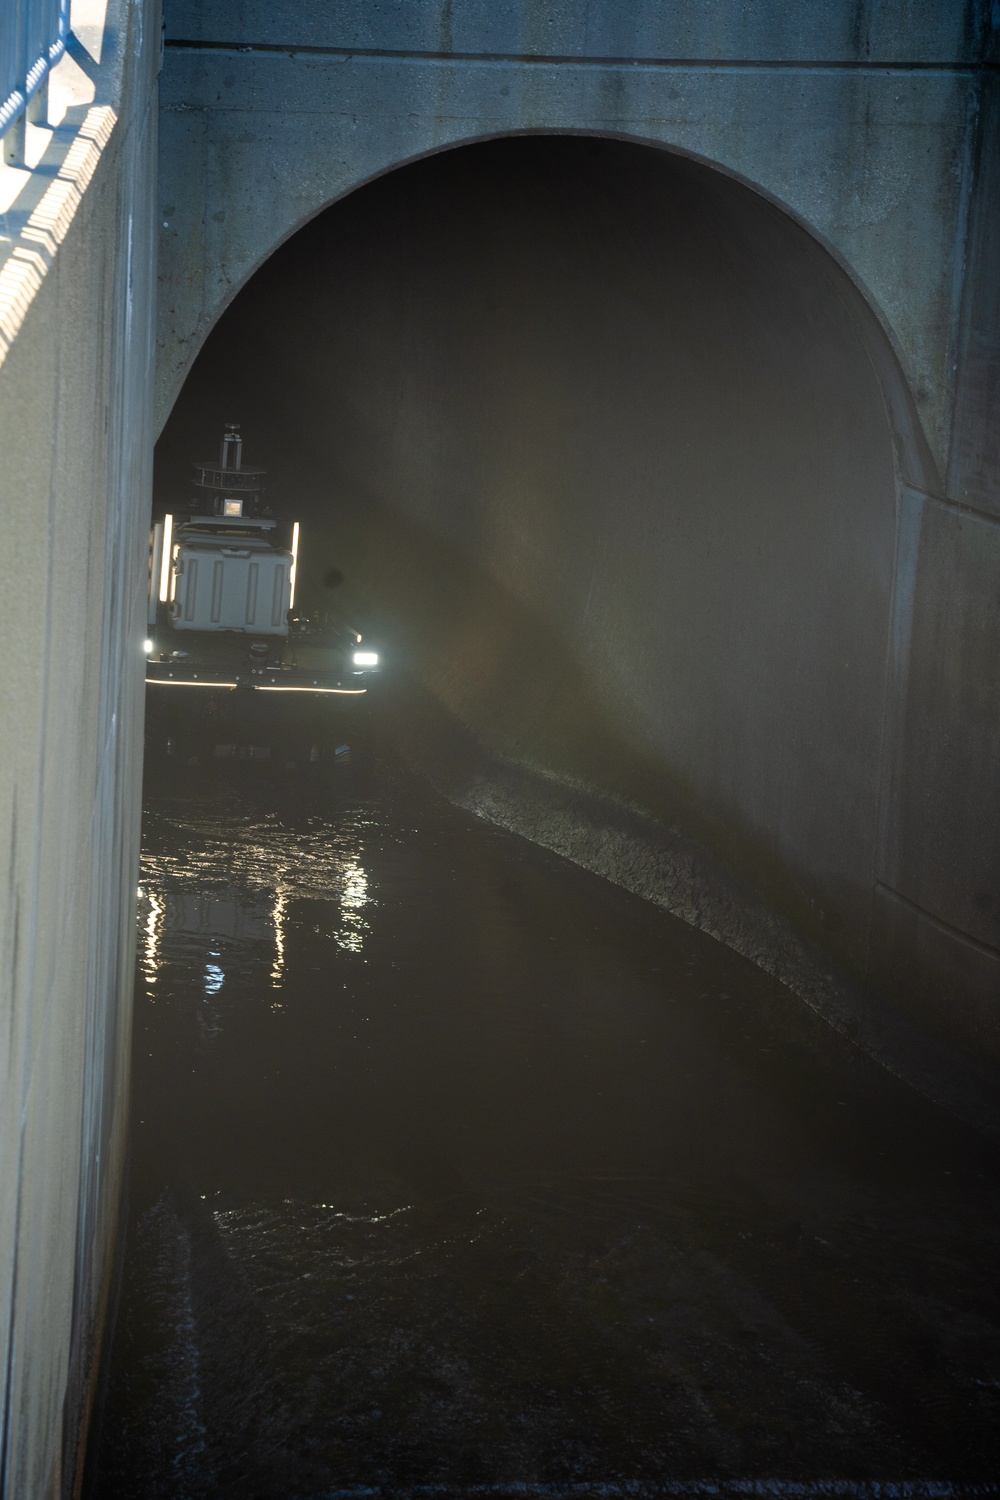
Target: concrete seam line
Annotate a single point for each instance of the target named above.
(939, 923)
(577, 60)
(32, 255)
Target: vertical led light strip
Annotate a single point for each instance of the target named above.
(295, 560)
(168, 533)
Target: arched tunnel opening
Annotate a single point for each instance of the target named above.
(457, 1165)
(597, 437)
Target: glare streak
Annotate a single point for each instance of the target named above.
(183, 682)
(348, 692)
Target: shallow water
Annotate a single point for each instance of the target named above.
(454, 1167)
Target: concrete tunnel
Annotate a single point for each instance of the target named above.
(612, 415)
(609, 450)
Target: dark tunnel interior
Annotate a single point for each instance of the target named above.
(596, 439)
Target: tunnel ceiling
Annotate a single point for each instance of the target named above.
(595, 435)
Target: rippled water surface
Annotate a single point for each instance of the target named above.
(455, 1167)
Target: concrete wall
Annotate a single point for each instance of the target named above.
(76, 283)
(859, 119)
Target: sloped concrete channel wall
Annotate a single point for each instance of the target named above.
(76, 298)
(751, 496)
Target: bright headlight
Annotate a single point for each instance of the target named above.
(147, 647)
(366, 658)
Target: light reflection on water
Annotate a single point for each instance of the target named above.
(233, 892)
(152, 906)
(278, 918)
(353, 900)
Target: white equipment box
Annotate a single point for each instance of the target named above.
(238, 585)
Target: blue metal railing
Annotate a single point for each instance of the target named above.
(32, 40)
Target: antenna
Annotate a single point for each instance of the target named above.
(232, 447)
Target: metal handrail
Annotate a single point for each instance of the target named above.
(32, 40)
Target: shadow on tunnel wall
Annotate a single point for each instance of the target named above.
(608, 451)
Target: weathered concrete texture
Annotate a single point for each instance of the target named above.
(759, 31)
(75, 425)
(797, 101)
(974, 468)
(612, 446)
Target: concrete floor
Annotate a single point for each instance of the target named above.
(455, 1166)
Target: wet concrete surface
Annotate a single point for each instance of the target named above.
(455, 1168)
